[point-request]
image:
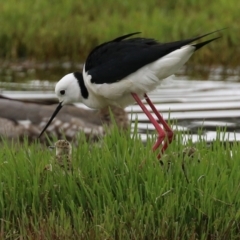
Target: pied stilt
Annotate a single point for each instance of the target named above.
(124, 70)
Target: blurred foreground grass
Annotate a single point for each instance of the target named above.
(120, 191)
(68, 30)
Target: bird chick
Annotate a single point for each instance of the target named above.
(63, 154)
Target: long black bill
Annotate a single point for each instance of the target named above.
(50, 120)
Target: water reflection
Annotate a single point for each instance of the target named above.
(26, 71)
(191, 105)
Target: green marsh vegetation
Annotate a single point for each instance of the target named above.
(120, 191)
(68, 30)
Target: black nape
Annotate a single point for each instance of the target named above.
(81, 83)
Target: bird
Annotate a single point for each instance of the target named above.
(20, 120)
(123, 71)
(63, 153)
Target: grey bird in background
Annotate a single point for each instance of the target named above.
(20, 119)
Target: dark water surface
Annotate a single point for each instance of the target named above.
(210, 103)
(26, 70)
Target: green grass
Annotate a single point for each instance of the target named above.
(120, 191)
(68, 30)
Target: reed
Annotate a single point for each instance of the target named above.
(68, 30)
(118, 190)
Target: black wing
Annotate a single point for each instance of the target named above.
(112, 61)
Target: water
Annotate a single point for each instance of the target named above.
(208, 103)
(26, 70)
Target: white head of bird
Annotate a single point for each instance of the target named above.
(67, 89)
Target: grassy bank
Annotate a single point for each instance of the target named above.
(120, 191)
(45, 30)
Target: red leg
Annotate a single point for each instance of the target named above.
(161, 133)
(167, 129)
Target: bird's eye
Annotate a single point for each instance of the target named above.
(62, 92)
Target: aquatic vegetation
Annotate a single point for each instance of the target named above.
(120, 191)
(68, 30)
